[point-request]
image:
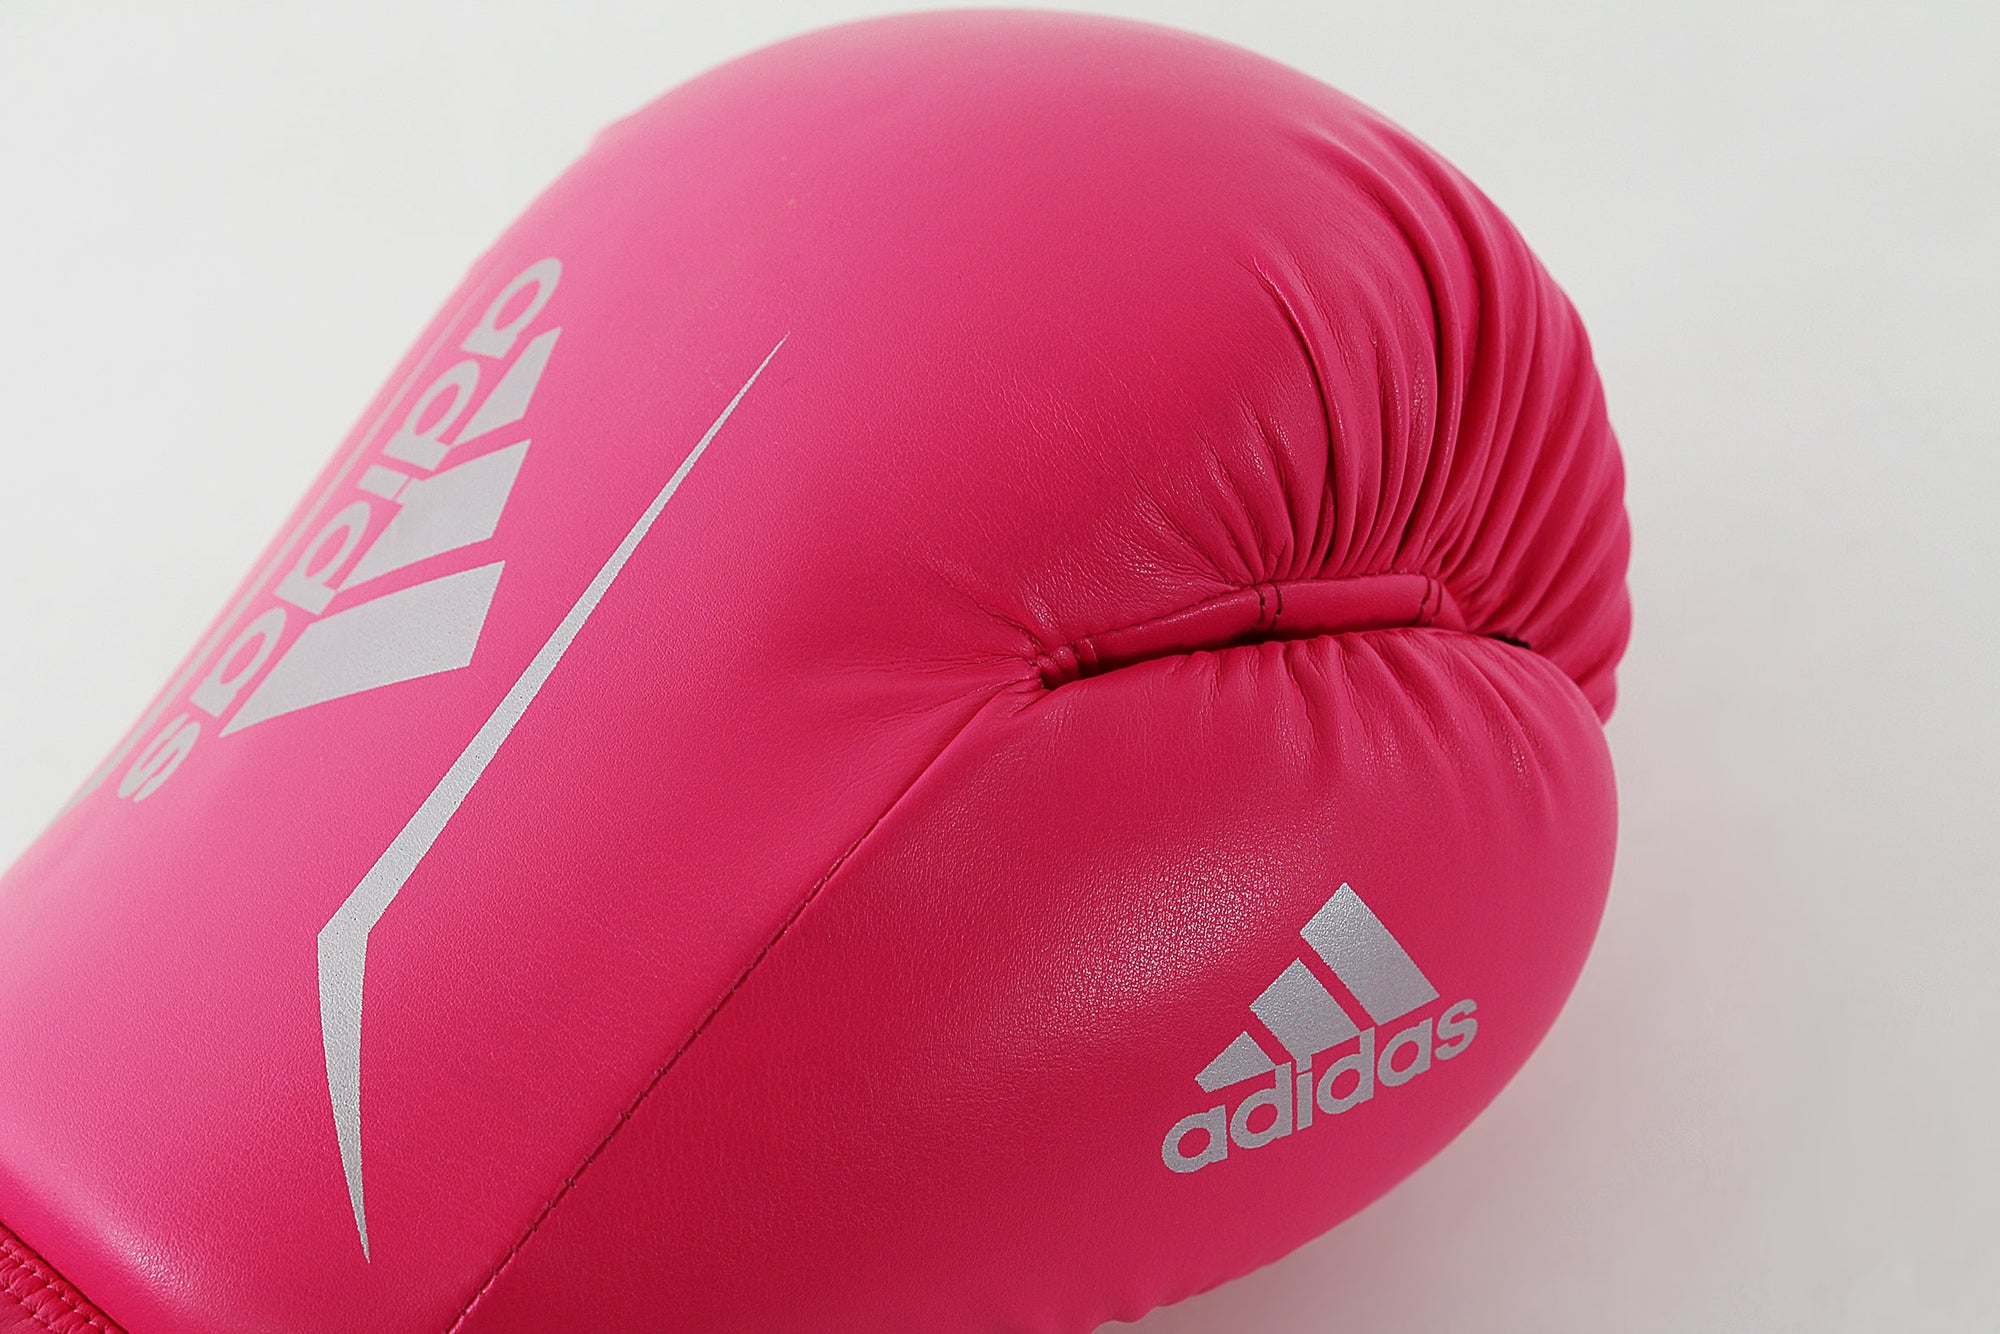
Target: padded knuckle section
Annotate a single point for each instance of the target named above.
(1094, 917)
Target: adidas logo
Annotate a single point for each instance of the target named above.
(1300, 1011)
(403, 508)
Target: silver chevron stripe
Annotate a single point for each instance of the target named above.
(1368, 960)
(343, 941)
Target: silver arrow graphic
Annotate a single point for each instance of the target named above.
(343, 941)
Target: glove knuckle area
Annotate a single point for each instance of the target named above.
(957, 1064)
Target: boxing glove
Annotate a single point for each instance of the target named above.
(960, 689)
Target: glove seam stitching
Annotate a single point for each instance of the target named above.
(26, 1261)
(659, 1074)
(1082, 656)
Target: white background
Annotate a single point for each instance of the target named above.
(1771, 1104)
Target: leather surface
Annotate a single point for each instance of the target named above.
(1170, 493)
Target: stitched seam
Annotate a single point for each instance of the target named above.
(37, 1284)
(1269, 619)
(43, 1284)
(49, 1283)
(700, 1027)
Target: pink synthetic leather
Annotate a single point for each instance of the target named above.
(1030, 529)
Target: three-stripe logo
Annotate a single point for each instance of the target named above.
(1303, 1014)
(337, 610)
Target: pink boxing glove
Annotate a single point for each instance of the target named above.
(959, 690)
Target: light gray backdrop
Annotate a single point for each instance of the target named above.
(1771, 1104)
